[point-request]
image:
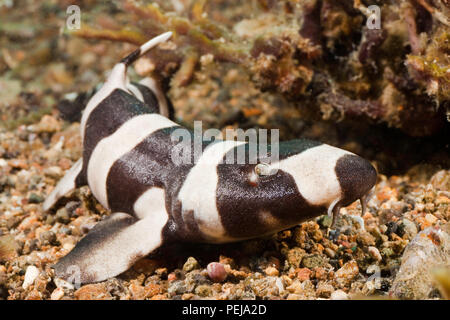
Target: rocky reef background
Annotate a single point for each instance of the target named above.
(309, 68)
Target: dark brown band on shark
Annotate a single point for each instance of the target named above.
(81, 179)
(108, 116)
(128, 60)
(148, 95)
(293, 147)
(248, 209)
(151, 99)
(356, 177)
(147, 165)
(171, 109)
(184, 225)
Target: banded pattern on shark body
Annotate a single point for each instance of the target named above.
(127, 163)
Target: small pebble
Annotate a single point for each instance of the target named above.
(9, 247)
(339, 295)
(203, 290)
(375, 253)
(54, 172)
(330, 252)
(48, 237)
(271, 271)
(280, 285)
(313, 261)
(206, 59)
(441, 180)
(295, 256)
(47, 124)
(35, 198)
(347, 273)
(333, 234)
(303, 274)
(30, 275)
(430, 218)
(171, 277)
(71, 207)
(62, 215)
(409, 228)
(57, 294)
(63, 284)
(96, 291)
(324, 289)
(217, 272)
(366, 238)
(325, 221)
(13, 222)
(176, 288)
(50, 219)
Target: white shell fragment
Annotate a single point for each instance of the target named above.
(30, 275)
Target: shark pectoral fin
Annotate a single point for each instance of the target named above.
(65, 185)
(110, 248)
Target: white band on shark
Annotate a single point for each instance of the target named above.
(151, 203)
(311, 168)
(155, 41)
(111, 148)
(198, 193)
(117, 80)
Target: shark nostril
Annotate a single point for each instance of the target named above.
(356, 177)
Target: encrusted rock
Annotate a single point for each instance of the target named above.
(295, 256)
(176, 288)
(324, 289)
(190, 264)
(441, 180)
(347, 273)
(428, 250)
(8, 247)
(409, 228)
(313, 261)
(93, 292)
(48, 237)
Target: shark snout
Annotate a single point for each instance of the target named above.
(356, 177)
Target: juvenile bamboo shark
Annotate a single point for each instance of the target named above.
(127, 163)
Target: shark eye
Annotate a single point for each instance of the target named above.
(262, 169)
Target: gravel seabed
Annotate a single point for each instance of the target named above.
(368, 256)
(306, 262)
